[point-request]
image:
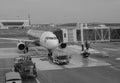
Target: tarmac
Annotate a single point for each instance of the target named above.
(90, 70)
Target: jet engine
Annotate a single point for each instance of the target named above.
(63, 45)
(21, 46)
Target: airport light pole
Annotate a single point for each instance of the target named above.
(82, 36)
(29, 19)
(80, 26)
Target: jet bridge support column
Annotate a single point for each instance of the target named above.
(80, 26)
(82, 36)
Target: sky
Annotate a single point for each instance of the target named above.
(61, 11)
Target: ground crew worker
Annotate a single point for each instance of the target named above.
(82, 45)
(50, 56)
(27, 49)
(28, 58)
(87, 45)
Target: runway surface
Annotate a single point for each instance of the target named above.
(91, 70)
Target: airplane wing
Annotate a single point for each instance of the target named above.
(15, 39)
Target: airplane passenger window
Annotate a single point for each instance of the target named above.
(51, 38)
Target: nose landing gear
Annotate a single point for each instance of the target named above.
(50, 55)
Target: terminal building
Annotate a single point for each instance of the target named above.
(6, 24)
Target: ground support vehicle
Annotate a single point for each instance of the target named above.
(25, 67)
(61, 57)
(13, 77)
(85, 53)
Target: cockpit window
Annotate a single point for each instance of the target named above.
(51, 37)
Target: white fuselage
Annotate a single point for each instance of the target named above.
(46, 39)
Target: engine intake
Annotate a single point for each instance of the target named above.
(21, 46)
(63, 45)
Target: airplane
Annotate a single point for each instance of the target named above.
(45, 39)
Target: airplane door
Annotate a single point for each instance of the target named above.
(65, 35)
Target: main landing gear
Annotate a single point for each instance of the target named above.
(50, 55)
(26, 49)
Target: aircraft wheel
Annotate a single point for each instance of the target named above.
(85, 55)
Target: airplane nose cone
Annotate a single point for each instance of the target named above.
(53, 44)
